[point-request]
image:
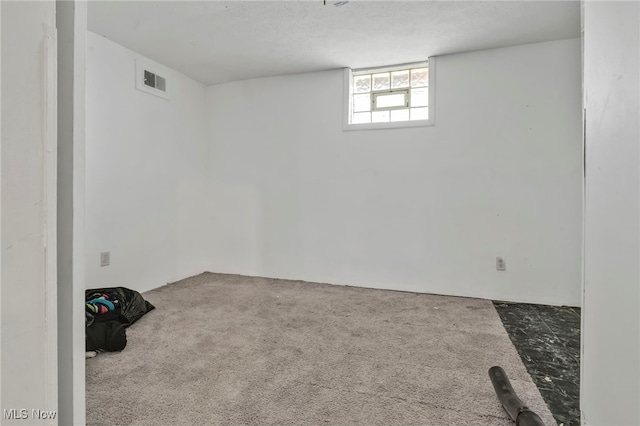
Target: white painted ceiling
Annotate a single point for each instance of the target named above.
(221, 41)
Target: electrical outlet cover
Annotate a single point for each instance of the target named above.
(500, 264)
(105, 258)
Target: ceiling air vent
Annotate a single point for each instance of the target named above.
(149, 78)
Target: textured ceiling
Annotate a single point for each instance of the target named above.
(221, 41)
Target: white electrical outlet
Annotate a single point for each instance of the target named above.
(105, 258)
(500, 264)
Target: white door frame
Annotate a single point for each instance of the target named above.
(71, 23)
(50, 114)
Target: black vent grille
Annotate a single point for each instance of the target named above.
(155, 81)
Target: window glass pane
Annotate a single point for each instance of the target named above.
(420, 77)
(419, 113)
(361, 117)
(420, 97)
(362, 83)
(381, 81)
(362, 102)
(380, 117)
(400, 115)
(400, 79)
(391, 100)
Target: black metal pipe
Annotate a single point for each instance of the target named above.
(515, 408)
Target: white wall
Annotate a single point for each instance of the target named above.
(28, 246)
(610, 386)
(423, 209)
(146, 162)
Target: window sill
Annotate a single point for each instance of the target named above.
(383, 126)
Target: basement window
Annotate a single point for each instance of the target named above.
(390, 97)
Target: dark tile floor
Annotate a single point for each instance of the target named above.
(548, 341)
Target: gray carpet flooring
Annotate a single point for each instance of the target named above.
(233, 350)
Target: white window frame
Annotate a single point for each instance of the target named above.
(375, 95)
(348, 95)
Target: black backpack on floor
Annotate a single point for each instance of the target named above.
(107, 336)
